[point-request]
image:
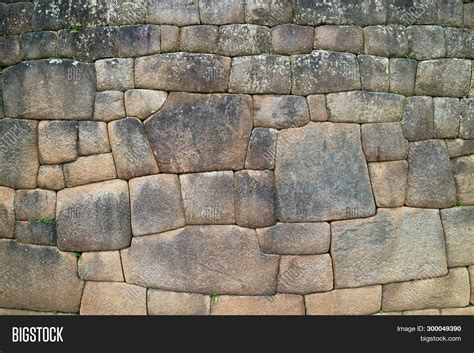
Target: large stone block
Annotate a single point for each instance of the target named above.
(90, 169)
(39, 45)
(101, 266)
(364, 107)
(57, 141)
(35, 233)
(463, 168)
(115, 74)
(196, 133)
(142, 103)
(219, 12)
(183, 72)
(51, 177)
(280, 304)
(108, 106)
(156, 204)
(7, 212)
(402, 76)
(458, 224)
(34, 204)
(93, 138)
(175, 303)
(418, 118)
(280, 112)
(139, 40)
(19, 17)
(324, 72)
(268, 12)
(449, 291)
(446, 117)
(199, 39)
(243, 39)
(339, 38)
(384, 142)
(459, 147)
(49, 89)
(388, 41)
(173, 12)
(202, 259)
(389, 182)
(374, 73)
(321, 174)
(169, 38)
(430, 178)
(39, 278)
(94, 217)
(11, 53)
(426, 42)
(395, 245)
(292, 39)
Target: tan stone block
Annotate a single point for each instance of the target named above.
(90, 169)
(101, 266)
(389, 182)
(175, 303)
(34, 204)
(423, 312)
(51, 177)
(7, 212)
(458, 311)
(317, 107)
(142, 103)
(279, 304)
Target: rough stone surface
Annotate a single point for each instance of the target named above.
(109, 106)
(260, 74)
(139, 40)
(243, 39)
(208, 197)
(295, 238)
(389, 183)
(261, 150)
(142, 103)
(430, 178)
(268, 12)
(374, 73)
(39, 45)
(49, 89)
(94, 217)
(132, 152)
(388, 41)
(463, 168)
(112, 298)
(466, 123)
(7, 212)
(199, 39)
(339, 38)
(156, 204)
(458, 311)
(364, 107)
(458, 224)
(418, 118)
(280, 112)
(183, 72)
(35, 233)
(446, 117)
(317, 107)
(169, 39)
(402, 76)
(321, 173)
(426, 42)
(459, 147)
(34, 204)
(175, 303)
(219, 12)
(449, 291)
(202, 259)
(10, 47)
(384, 142)
(38, 278)
(51, 177)
(324, 72)
(93, 138)
(389, 247)
(57, 141)
(114, 74)
(353, 301)
(90, 169)
(254, 198)
(305, 274)
(19, 17)
(280, 304)
(292, 39)
(173, 12)
(101, 266)
(197, 133)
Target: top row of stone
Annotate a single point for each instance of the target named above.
(38, 15)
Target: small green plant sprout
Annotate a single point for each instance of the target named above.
(459, 204)
(410, 56)
(215, 297)
(76, 26)
(47, 220)
(78, 255)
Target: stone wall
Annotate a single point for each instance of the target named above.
(237, 157)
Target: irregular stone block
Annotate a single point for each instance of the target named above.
(458, 42)
(19, 17)
(384, 142)
(51, 177)
(324, 72)
(450, 13)
(243, 39)
(208, 197)
(466, 119)
(262, 149)
(175, 303)
(109, 106)
(279, 304)
(7, 212)
(402, 76)
(49, 89)
(353, 301)
(254, 198)
(411, 12)
(428, 186)
(220, 12)
(418, 119)
(57, 141)
(388, 41)
(446, 117)
(169, 39)
(114, 74)
(39, 45)
(395, 245)
(10, 48)
(94, 217)
(93, 138)
(100, 266)
(448, 291)
(321, 174)
(295, 238)
(292, 39)
(199, 39)
(426, 42)
(280, 112)
(468, 20)
(173, 12)
(364, 107)
(443, 77)
(459, 147)
(90, 169)
(183, 72)
(112, 298)
(317, 107)
(260, 74)
(339, 38)
(197, 133)
(305, 274)
(463, 168)
(156, 204)
(458, 224)
(374, 73)
(139, 40)
(124, 12)
(142, 103)
(50, 15)
(35, 233)
(34, 204)
(132, 151)
(268, 12)
(202, 259)
(389, 183)
(39, 278)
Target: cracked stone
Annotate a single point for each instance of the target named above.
(142, 103)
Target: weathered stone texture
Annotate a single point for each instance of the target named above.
(388, 41)
(426, 42)
(57, 141)
(90, 169)
(139, 40)
(39, 45)
(459, 147)
(384, 142)
(374, 73)
(402, 76)
(175, 303)
(458, 224)
(418, 120)
(101, 266)
(466, 122)
(292, 39)
(243, 39)
(169, 38)
(389, 183)
(34, 204)
(463, 168)
(199, 39)
(268, 12)
(280, 304)
(446, 117)
(114, 74)
(108, 106)
(93, 138)
(221, 11)
(19, 17)
(10, 48)
(37, 233)
(261, 150)
(317, 107)
(142, 103)
(51, 177)
(280, 112)
(339, 38)
(7, 212)
(173, 12)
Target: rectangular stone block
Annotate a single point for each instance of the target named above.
(108, 106)
(418, 118)
(19, 17)
(374, 73)
(339, 38)
(243, 39)
(199, 39)
(7, 212)
(292, 39)
(446, 117)
(139, 40)
(173, 12)
(34, 204)
(402, 76)
(384, 142)
(317, 107)
(93, 138)
(261, 149)
(463, 168)
(426, 42)
(280, 304)
(10, 48)
(35, 233)
(280, 112)
(57, 141)
(389, 41)
(268, 12)
(219, 12)
(39, 45)
(90, 169)
(389, 182)
(100, 266)
(458, 224)
(114, 74)
(51, 177)
(175, 303)
(466, 119)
